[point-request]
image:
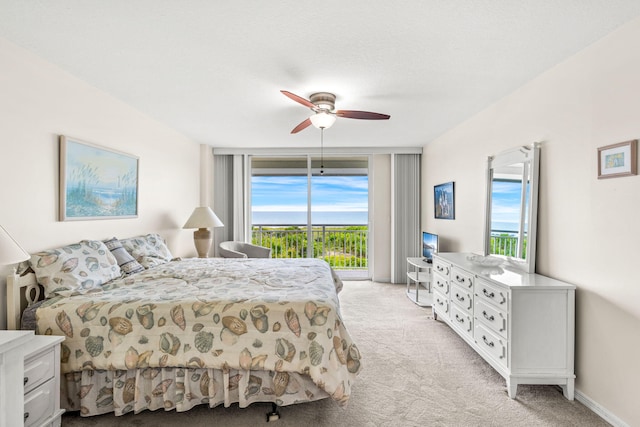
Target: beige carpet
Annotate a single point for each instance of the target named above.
(417, 372)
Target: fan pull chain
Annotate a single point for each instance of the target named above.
(321, 151)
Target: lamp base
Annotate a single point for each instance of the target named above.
(202, 237)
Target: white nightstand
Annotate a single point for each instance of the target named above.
(29, 378)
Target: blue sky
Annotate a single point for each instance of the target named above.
(329, 193)
(505, 209)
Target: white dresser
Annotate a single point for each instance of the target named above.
(522, 324)
(29, 378)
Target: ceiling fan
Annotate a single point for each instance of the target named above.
(323, 104)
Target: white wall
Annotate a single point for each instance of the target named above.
(588, 229)
(38, 102)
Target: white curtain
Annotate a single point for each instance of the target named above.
(405, 213)
(239, 198)
(229, 197)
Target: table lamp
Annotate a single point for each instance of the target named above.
(203, 218)
(10, 251)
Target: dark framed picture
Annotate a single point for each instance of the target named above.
(96, 182)
(443, 199)
(618, 159)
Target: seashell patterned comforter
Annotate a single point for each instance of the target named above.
(275, 322)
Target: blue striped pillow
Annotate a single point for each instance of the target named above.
(127, 263)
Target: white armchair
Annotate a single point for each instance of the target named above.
(243, 250)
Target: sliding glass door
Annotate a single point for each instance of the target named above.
(313, 207)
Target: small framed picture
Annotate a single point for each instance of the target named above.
(618, 159)
(443, 199)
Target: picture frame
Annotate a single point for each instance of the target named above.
(96, 182)
(618, 160)
(444, 201)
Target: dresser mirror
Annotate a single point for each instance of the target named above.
(512, 205)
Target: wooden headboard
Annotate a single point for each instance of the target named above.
(22, 291)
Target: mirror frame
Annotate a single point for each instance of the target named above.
(530, 156)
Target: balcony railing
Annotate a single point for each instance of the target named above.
(344, 247)
(506, 243)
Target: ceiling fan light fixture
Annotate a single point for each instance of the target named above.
(322, 120)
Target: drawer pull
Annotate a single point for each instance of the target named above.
(488, 294)
(487, 342)
(26, 415)
(439, 302)
(460, 279)
(489, 318)
(461, 299)
(26, 380)
(439, 268)
(459, 319)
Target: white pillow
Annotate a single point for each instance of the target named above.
(149, 250)
(75, 269)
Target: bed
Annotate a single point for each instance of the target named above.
(164, 333)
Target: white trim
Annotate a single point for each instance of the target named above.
(599, 410)
(316, 151)
(370, 219)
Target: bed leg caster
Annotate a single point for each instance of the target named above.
(274, 415)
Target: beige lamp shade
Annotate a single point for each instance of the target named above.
(203, 218)
(10, 250)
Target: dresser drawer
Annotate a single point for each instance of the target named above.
(486, 291)
(492, 316)
(441, 284)
(40, 404)
(440, 303)
(462, 297)
(441, 267)
(461, 277)
(491, 343)
(38, 369)
(461, 319)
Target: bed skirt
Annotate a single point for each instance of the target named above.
(95, 392)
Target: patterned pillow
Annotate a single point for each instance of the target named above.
(127, 263)
(149, 250)
(75, 269)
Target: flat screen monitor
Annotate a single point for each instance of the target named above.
(429, 245)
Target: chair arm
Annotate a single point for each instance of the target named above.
(254, 251)
(228, 253)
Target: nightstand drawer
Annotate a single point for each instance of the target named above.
(38, 369)
(40, 404)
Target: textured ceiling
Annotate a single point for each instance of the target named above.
(213, 70)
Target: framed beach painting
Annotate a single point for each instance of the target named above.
(96, 182)
(444, 201)
(618, 159)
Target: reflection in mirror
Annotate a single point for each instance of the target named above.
(512, 195)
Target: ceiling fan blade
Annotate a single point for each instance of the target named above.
(299, 99)
(301, 126)
(365, 115)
